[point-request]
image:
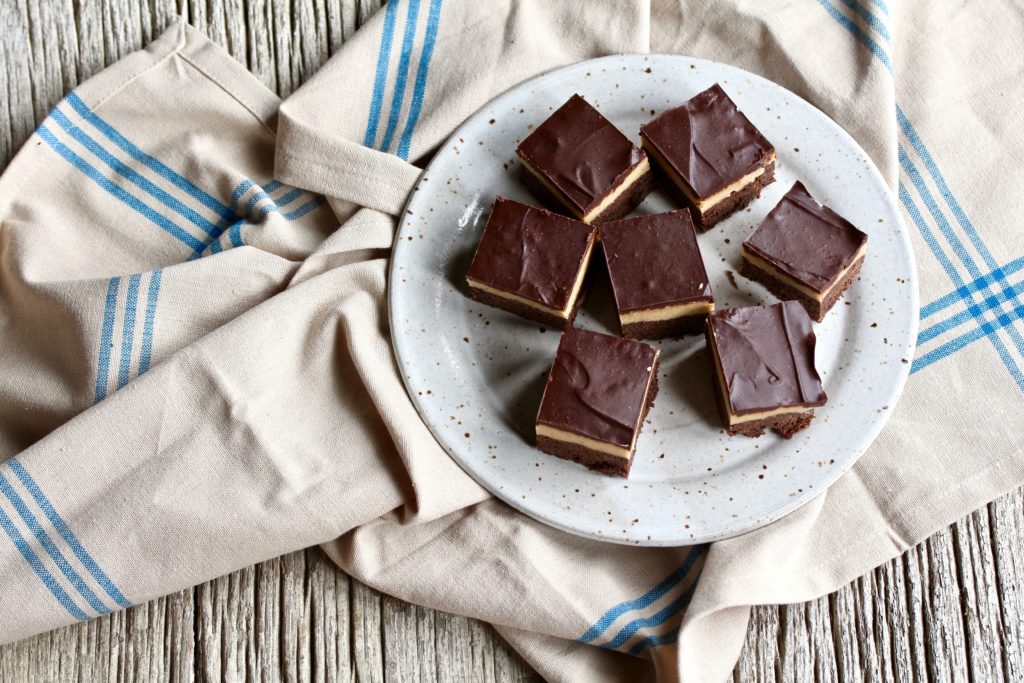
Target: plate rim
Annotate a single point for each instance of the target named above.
(398, 246)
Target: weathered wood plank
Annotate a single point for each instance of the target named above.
(1006, 517)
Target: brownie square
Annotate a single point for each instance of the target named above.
(598, 392)
(578, 162)
(658, 278)
(764, 368)
(531, 262)
(709, 156)
(805, 251)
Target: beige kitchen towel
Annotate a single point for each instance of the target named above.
(196, 372)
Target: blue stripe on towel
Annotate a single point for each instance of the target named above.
(305, 208)
(405, 57)
(433, 19)
(240, 190)
(381, 74)
(988, 329)
(672, 636)
(106, 339)
(125, 171)
(645, 600)
(39, 568)
(116, 190)
(128, 330)
(150, 161)
(965, 291)
(65, 532)
(872, 21)
(858, 33)
(235, 234)
(656, 619)
(51, 548)
(289, 197)
(150, 320)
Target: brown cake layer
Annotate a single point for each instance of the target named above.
(665, 329)
(622, 206)
(596, 460)
(591, 459)
(722, 209)
(816, 309)
(528, 312)
(784, 425)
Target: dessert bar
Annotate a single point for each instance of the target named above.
(597, 394)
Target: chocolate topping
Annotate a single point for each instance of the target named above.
(580, 152)
(654, 261)
(708, 141)
(597, 386)
(766, 355)
(531, 252)
(808, 241)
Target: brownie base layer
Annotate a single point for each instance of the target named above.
(524, 311)
(596, 460)
(784, 425)
(784, 291)
(621, 207)
(723, 209)
(628, 200)
(665, 329)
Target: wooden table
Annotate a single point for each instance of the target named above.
(950, 609)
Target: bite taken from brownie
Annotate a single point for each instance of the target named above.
(805, 252)
(531, 262)
(765, 376)
(658, 279)
(579, 163)
(708, 156)
(598, 392)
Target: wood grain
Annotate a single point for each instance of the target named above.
(951, 609)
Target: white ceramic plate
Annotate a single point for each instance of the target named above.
(476, 374)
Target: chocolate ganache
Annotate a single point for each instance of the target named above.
(531, 252)
(597, 386)
(654, 261)
(708, 141)
(808, 241)
(766, 355)
(580, 152)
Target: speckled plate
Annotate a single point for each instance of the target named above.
(476, 374)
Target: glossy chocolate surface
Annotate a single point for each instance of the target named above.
(580, 153)
(531, 252)
(807, 241)
(766, 356)
(597, 385)
(654, 261)
(708, 141)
